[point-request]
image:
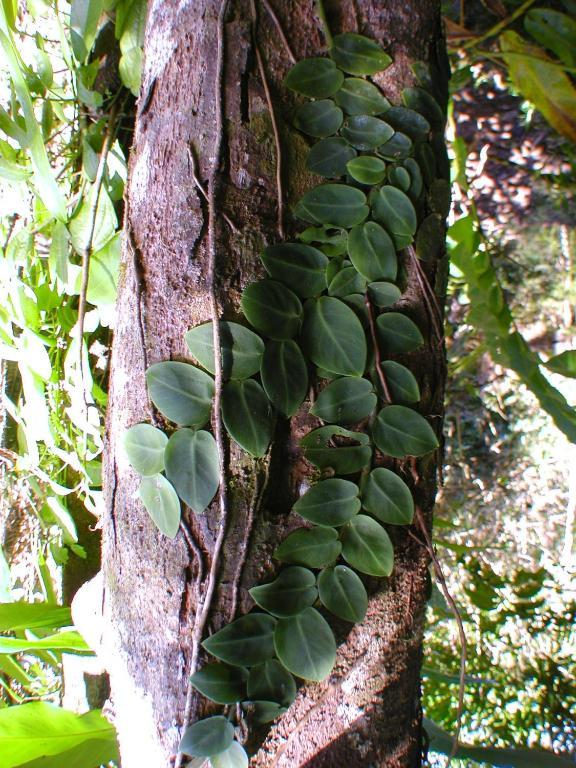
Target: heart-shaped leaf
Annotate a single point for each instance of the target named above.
(407, 121)
(396, 148)
(272, 308)
(162, 504)
(394, 209)
(233, 757)
(336, 204)
(366, 132)
(329, 502)
(144, 448)
(425, 104)
(401, 382)
(247, 415)
(319, 118)
(293, 590)
(337, 449)
(400, 432)
(345, 401)
(316, 78)
(359, 97)
(367, 546)
(564, 363)
(241, 349)
(284, 376)
(345, 282)
(333, 337)
(329, 157)
(342, 593)
(332, 240)
(264, 711)
(207, 737)
(358, 55)
(372, 252)
(221, 683)
(416, 183)
(388, 498)
(192, 466)
(305, 645)
(384, 294)
(272, 682)
(367, 169)
(313, 547)
(301, 267)
(181, 392)
(399, 177)
(244, 642)
(398, 334)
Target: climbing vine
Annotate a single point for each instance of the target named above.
(329, 315)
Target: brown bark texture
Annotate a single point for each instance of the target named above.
(367, 713)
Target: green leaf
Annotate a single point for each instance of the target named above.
(329, 502)
(359, 97)
(367, 169)
(365, 132)
(301, 267)
(333, 337)
(221, 683)
(345, 282)
(272, 682)
(343, 594)
(335, 204)
(181, 392)
(192, 466)
(400, 432)
(264, 711)
(398, 334)
(305, 645)
(162, 504)
(564, 363)
(416, 182)
(144, 447)
(388, 498)
(68, 641)
(394, 209)
(345, 401)
(409, 122)
(284, 376)
(358, 55)
(241, 349)
(555, 31)
(248, 416)
(316, 78)
(396, 148)
(130, 69)
(102, 227)
(319, 118)
(103, 275)
(329, 157)
(233, 757)
(401, 382)
(372, 252)
(272, 308)
(244, 642)
(399, 177)
(430, 238)
(292, 591)
(84, 18)
(351, 453)
(18, 616)
(384, 294)
(424, 103)
(37, 731)
(313, 547)
(367, 546)
(207, 737)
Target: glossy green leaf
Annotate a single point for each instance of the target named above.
(399, 177)
(233, 757)
(366, 132)
(329, 157)
(284, 376)
(301, 267)
(315, 77)
(82, 224)
(358, 55)
(247, 415)
(396, 148)
(207, 737)
(319, 118)
(416, 182)
(333, 337)
(241, 349)
(305, 645)
(103, 275)
(335, 204)
(144, 447)
(555, 31)
(384, 294)
(359, 97)
(313, 547)
(221, 683)
(330, 502)
(332, 240)
(244, 642)
(398, 333)
(162, 503)
(342, 593)
(400, 432)
(19, 616)
(84, 18)
(425, 104)
(388, 498)
(409, 122)
(264, 711)
(293, 590)
(564, 363)
(181, 392)
(372, 252)
(394, 210)
(272, 682)
(367, 547)
(345, 401)
(401, 382)
(346, 281)
(335, 265)
(337, 449)
(367, 169)
(192, 467)
(272, 308)
(67, 641)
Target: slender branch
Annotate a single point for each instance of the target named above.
(428, 295)
(321, 13)
(200, 187)
(280, 31)
(497, 28)
(377, 355)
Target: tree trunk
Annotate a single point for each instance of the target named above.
(368, 711)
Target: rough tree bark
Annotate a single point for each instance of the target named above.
(368, 711)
